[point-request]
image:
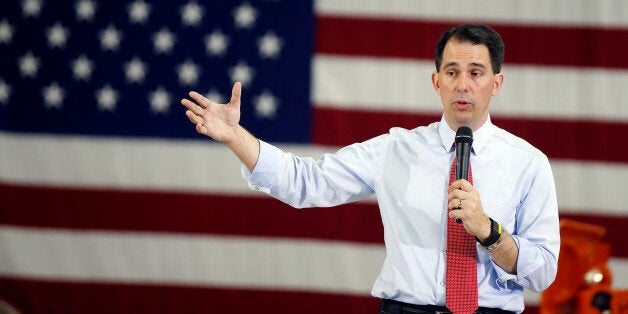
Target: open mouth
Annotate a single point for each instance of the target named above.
(462, 104)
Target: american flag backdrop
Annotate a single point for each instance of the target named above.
(111, 203)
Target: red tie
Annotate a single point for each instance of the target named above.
(462, 282)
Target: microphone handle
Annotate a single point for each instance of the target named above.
(463, 151)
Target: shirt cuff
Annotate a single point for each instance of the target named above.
(527, 262)
(503, 277)
(264, 174)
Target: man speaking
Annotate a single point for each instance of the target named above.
(454, 243)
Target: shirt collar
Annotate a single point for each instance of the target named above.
(480, 136)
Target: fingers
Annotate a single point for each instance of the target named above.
(236, 92)
(197, 106)
(460, 199)
(198, 121)
(456, 214)
(461, 194)
(201, 102)
(458, 194)
(200, 128)
(210, 118)
(460, 216)
(456, 203)
(193, 117)
(464, 202)
(460, 209)
(197, 110)
(200, 99)
(461, 184)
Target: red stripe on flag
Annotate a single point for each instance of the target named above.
(66, 297)
(615, 230)
(525, 44)
(213, 214)
(592, 140)
(184, 213)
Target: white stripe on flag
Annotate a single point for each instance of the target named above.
(591, 187)
(388, 84)
(175, 165)
(278, 264)
(556, 12)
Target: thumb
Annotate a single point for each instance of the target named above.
(236, 92)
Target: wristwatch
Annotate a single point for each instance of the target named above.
(493, 240)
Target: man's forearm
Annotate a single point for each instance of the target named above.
(246, 147)
(506, 254)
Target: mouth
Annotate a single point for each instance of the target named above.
(462, 104)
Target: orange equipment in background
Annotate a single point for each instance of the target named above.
(583, 282)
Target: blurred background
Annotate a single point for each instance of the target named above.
(111, 203)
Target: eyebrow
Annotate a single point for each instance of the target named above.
(473, 64)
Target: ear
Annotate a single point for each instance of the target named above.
(499, 80)
(435, 82)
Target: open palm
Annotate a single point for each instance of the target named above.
(215, 120)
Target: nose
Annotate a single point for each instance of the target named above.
(463, 84)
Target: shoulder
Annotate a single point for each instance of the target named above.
(517, 144)
(396, 137)
(421, 133)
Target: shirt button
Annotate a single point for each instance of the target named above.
(442, 283)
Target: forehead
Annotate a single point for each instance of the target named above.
(465, 54)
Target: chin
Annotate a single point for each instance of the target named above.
(463, 117)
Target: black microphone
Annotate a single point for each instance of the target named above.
(464, 139)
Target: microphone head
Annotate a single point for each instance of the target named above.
(464, 135)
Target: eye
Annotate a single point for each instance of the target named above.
(476, 73)
(451, 73)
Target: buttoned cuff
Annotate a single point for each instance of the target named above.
(264, 174)
(505, 279)
(528, 261)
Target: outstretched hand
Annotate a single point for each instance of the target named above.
(218, 121)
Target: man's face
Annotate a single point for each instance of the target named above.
(466, 84)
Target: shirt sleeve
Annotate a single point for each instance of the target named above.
(265, 172)
(537, 235)
(333, 179)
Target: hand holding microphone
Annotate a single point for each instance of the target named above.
(464, 139)
(462, 194)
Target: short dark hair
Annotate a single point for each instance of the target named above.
(476, 34)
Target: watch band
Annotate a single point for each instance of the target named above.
(491, 248)
(496, 232)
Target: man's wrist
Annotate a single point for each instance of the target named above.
(246, 146)
(494, 235)
(485, 231)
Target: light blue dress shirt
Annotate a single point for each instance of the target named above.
(408, 170)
